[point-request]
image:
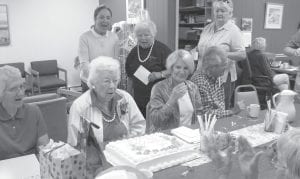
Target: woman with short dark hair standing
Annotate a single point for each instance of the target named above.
(98, 41)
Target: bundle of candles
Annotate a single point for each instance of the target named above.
(220, 139)
(207, 124)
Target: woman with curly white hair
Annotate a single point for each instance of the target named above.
(112, 110)
(22, 127)
(149, 54)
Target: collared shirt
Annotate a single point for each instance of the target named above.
(212, 94)
(93, 45)
(19, 135)
(229, 37)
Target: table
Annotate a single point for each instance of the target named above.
(206, 171)
(292, 70)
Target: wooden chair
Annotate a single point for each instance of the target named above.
(46, 76)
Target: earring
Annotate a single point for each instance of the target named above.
(93, 87)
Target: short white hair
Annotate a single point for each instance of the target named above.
(147, 24)
(259, 43)
(182, 55)
(228, 4)
(100, 64)
(8, 74)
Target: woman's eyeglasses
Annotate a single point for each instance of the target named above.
(226, 1)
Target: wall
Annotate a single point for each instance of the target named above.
(163, 13)
(276, 38)
(118, 8)
(47, 29)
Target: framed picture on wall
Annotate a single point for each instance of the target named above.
(247, 24)
(273, 16)
(4, 26)
(133, 9)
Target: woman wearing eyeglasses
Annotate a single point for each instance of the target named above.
(149, 54)
(224, 33)
(22, 127)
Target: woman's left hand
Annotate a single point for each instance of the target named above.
(154, 76)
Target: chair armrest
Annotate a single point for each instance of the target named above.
(35, 73)
(68, 92)
(66, 74)
(29, 80)
(36, 79)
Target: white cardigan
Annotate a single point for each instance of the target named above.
(133, 119)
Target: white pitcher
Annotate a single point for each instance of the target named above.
(286, 103)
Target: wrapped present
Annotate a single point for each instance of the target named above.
(60, 161)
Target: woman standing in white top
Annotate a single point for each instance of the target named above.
(98, 41)
(224, 33)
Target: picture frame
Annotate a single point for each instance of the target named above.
(133, 10)
(247, 24)
(4, 26)
(273, 16)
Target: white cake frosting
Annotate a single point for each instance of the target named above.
(151, 152)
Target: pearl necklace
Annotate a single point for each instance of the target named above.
(109, 120)
(138, 51)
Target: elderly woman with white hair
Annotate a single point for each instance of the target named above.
(260, 66)
(223, 32)
(174, 101)
(149, 54)
(113, 111)
(22, 127)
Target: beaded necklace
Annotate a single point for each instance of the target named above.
(138, 51)
(109, 120)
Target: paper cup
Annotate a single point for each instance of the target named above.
(286, 65)
(280, 122)
(253, 110)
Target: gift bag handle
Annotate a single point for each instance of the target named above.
(274, 99)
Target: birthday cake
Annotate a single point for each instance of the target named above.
(152, 152)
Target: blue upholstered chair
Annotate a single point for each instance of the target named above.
(46, 76)
(54, 110)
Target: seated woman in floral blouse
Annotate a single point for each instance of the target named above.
(174, 101)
